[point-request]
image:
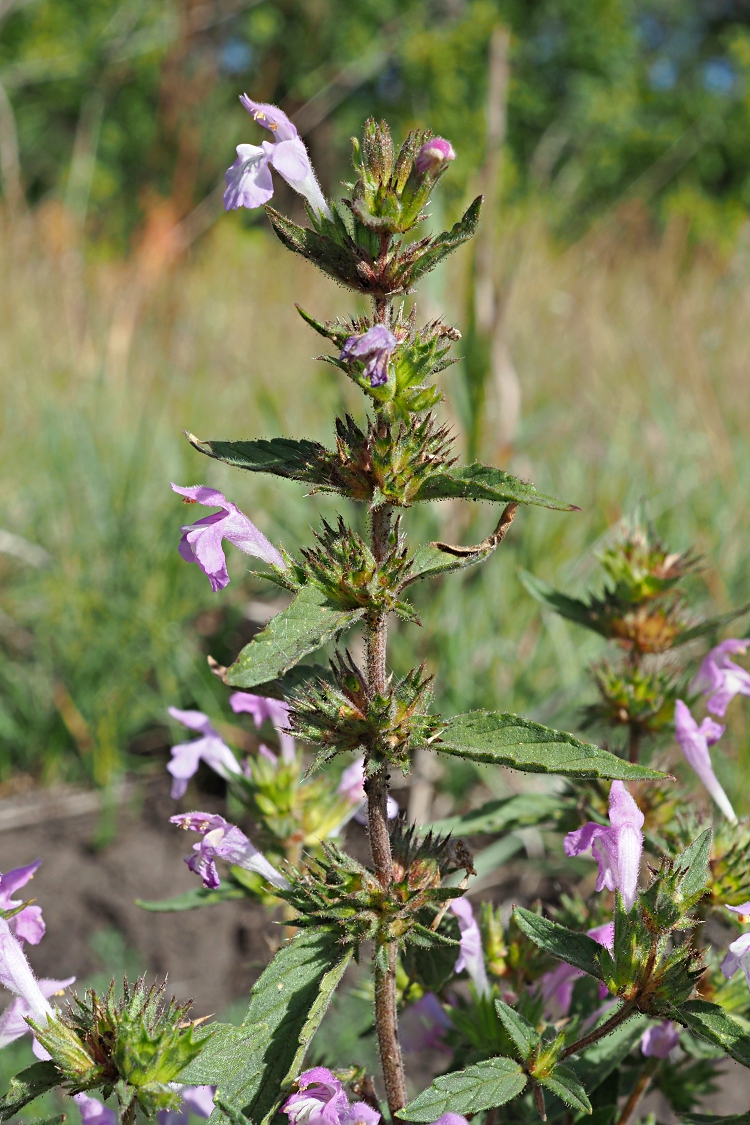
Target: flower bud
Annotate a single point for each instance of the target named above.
(434, 155)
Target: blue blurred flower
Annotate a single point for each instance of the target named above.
(236, 56)
(662, 74)
(719, 76)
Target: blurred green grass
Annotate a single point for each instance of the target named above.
(632, 358)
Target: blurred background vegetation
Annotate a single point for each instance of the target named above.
(604, 311)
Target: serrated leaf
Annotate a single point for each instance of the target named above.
(712, 625)
(443, 244)
(327, 254)
(499, 815)
(710, 1022)
(571, 608)
(28, 1085)
(482, 1086)
(282, 457)
(564, 944)
(304, 626)
(564, 1083)
(525, 1037)
(482, 482)
(194, 898)
(694, 861)
(503, 739)
(254, 1064)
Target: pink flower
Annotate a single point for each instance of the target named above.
(28, 924)
(13, 1020)
(198, 1100)
(434, 155)
(261, 707)
(694, 742)
(374, 347)
(471, 956)
(322, 1101)
(94, 1112)
(556, 987)
(618, 848)
(249, 182)
(17, 977)
(720, 678)
(222, 840)
(201, 542)
(658, 1041)
(210, 749)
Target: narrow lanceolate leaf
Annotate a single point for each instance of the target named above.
(694, 861)
(29, 1084)
(255, 1064)
(525, 1037)
(502, 739)
(572, 608)
(283, 457)
(710, 1022)
(483, 1086)
(194, 898)
(304, 626)
(567, 945)
(564, 1083)
(706, 628)
(443, 244)
(501, 815)
(482, 482)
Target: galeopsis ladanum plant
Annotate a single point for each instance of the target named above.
(555, 1012)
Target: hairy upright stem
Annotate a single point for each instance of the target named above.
(376, 786)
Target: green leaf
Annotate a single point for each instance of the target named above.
(295, 678)
(567, 945)
(525, 1037)
(431, 560)
(710, 1022)
(694, 861)
(564, 1083)
(283, 457)
(507, 740)
(712, 625)
(496, 816)
(195, 897)
(444, 244)
(327, 254)
(482, 482)
(29, 1084)
(571, 608)
(305, 625)
(254, 1064)
(483, 1086)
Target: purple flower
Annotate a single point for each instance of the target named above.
(198, 1100)
(694, 742)
(261, 707)
(28, 925)
(451, 1119)
(201, 541)
(556, 987)
(222, 840)
(322, 1101)
(352, 786)
(424, 1024)
(658, 1041)
(94, 1112)
(738, 956)
(17, 977)
(210, 749)
(434, 155)
(618, 848)
(13, 1020)
(471, 956)
(720, 678)
(249, 182)
(374, 347)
